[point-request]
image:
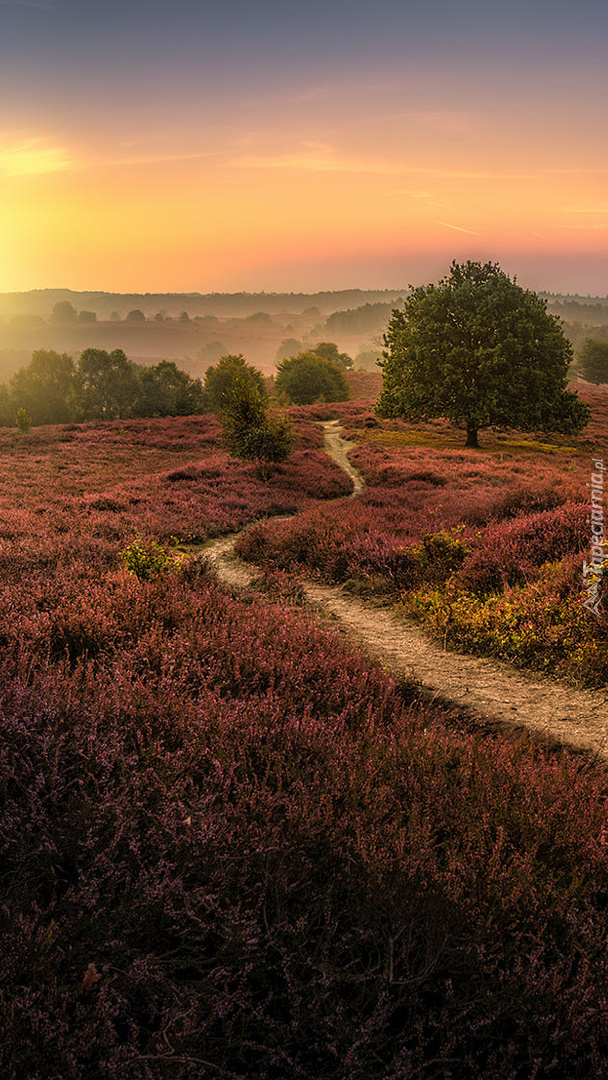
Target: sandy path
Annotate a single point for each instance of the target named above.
(486, 689)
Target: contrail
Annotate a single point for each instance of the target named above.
(458, 228)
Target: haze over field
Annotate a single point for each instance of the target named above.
(182, 147)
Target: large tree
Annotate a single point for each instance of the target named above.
(106, 384)
(480, 350)
(46, 387)
(166, 390)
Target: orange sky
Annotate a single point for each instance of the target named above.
(326, 179)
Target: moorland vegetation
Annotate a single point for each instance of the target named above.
(231, 845)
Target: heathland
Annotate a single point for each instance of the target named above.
(232, 845)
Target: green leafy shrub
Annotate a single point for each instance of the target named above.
(251, 432)
(147, 560)
(23, 421)
(440, 554)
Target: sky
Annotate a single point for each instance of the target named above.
(254, 146)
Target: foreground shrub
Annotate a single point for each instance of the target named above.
(251, 432)
(542, 626)
(146, 559)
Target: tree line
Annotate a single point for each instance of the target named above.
(56, 389)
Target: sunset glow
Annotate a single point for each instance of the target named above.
(148, 150)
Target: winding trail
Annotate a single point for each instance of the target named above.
(487, 692)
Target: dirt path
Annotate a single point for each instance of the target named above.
(491, 691)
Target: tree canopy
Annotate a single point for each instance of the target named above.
(45, 388)
(593, 361)
(221, 379)
(107, 384)
(63, 311)
(480, 350)
(166, 390)
(251, 432)
(328, 350)
(307, 378)
(53, 389)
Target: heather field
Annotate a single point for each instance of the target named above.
(486, 549)
(232, 847)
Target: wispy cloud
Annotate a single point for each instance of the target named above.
(584, 209)
(459, 228)
(321, 157)
(312, 157)
(32, 157)
(155, 158)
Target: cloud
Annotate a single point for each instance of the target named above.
(33, 157)
(320, 157)
(584, 209)
(312, 157)
(155, 159)
(458, 228)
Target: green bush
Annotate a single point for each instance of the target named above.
(251, 432)
(23, 421)
(146, 559)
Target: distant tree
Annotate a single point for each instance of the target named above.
(260, 317)
(114, 317)
(160, 316)
(479, 350)
(307, 378)
(46, 387)
(210, 352)
(251, 432)
(184, 317)
(166, 390)
(106, 385)
(328, 350)
(135, 316)
(222, 379)
(7, 411)
(593, 361)
(87, 316)
(64, 312)
(368, 359)
(368, 319)
(288, 347)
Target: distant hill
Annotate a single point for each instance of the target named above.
(190, 328)
(227, 305)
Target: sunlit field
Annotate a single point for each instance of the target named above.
(486, 548)
(231, 845)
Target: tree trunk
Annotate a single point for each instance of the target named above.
(472, 436)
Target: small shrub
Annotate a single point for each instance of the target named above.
(23, 422)
(146, 559)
